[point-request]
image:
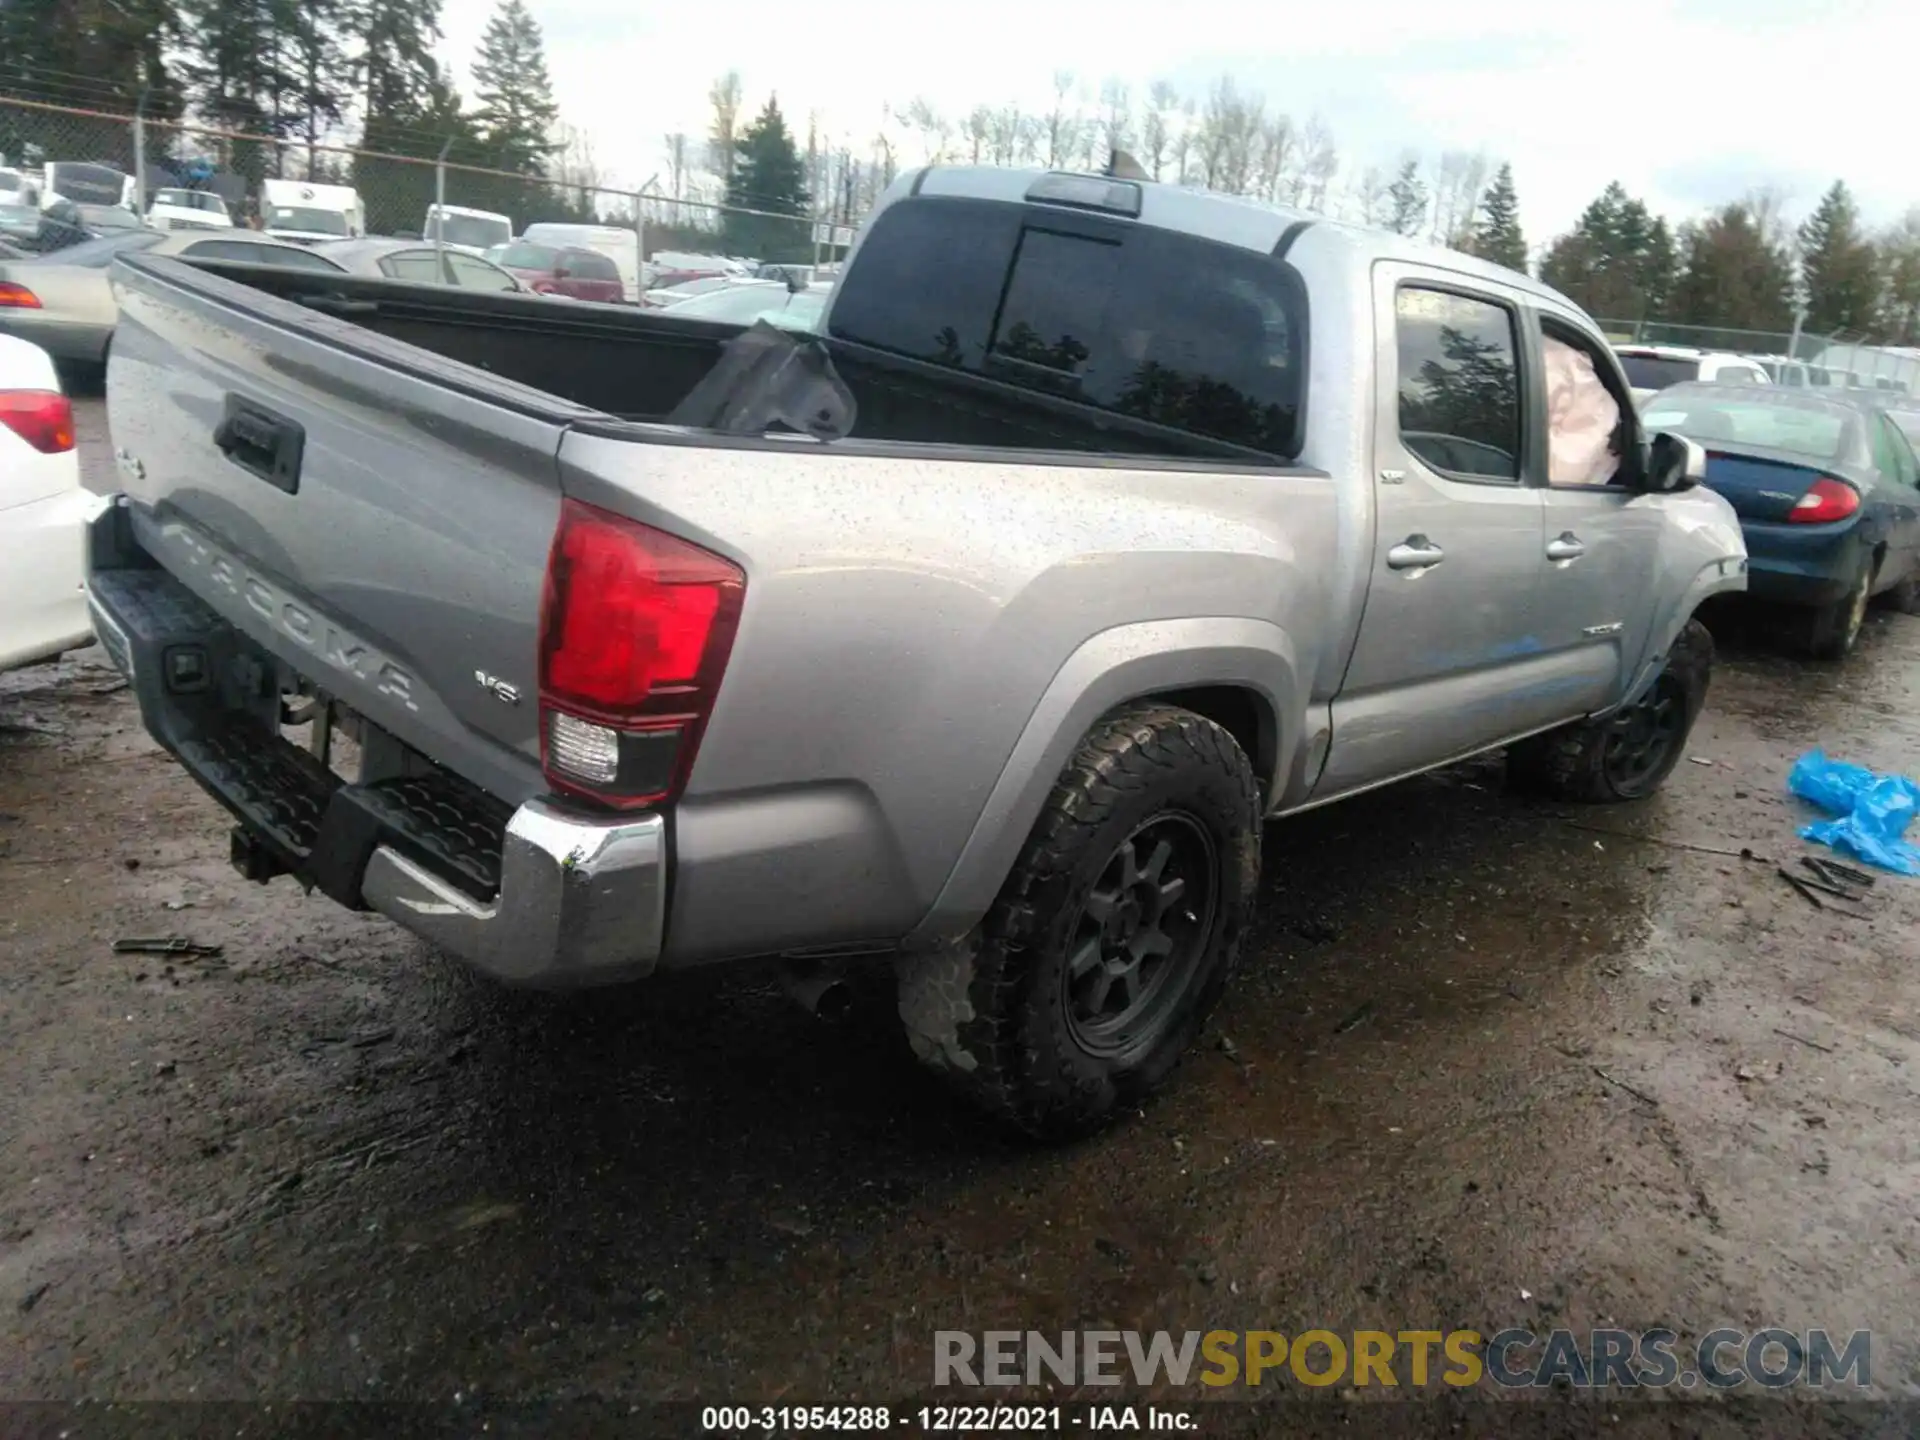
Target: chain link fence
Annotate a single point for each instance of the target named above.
(127, 160)
(1850, 358)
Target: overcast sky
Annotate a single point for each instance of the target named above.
(1689, 103)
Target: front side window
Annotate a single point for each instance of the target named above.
(1459, 387)
(420, 266)
(1163, 327)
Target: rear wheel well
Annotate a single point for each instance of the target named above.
(1243, 714)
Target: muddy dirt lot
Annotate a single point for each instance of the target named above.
(1487, 1063)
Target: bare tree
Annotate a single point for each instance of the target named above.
(724, 97)
(1371, 203)
(1163, 103)
(1185, 143)
(1768, 207)
(1320, 164)
(1116, 116)
(1006, 135)
(1276, 150)
(921, 118)
(679, 161)
(978, 130)
(1063, 125)
(1458, 185)
(1229, 139)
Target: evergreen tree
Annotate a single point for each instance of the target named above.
(92, 54)
(770, 176)
(1732, 276)
(1407, 197)
(393, 56)
(517, 112)
(233, 74)
(314, 56)
(1617, 262)
(1838, 266)
(1496, 236)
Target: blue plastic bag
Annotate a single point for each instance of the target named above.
(1874, 811)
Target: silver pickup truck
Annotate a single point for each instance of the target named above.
(1102, 522)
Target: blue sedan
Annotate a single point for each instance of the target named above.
(1827, 488)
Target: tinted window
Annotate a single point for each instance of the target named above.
(1164, 327)
(589, 265)
(1773, 421)
(472, 274)
(1656, 372)
(420, 266)
(1459, 383)
(524, 256)
(282, 255)
(98, 254)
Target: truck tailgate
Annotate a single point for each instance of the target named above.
(382, 529)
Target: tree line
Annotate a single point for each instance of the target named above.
(298, 73)
(303, 73)
(1739, 267)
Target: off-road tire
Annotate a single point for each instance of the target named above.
(1571, 763)
(990, 1013)
(1831, 631)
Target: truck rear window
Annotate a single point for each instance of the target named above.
(1149, 323)
(1657, 372)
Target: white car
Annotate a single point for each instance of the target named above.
(43, 512)
(1652, 368)
(178, 209)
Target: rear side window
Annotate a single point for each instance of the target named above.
(1459, 383)
(1163, 327)
(422, 267)
(522, 255)
(590, 265)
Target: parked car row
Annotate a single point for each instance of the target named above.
(1827, 487)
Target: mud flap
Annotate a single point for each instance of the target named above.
(767, 377)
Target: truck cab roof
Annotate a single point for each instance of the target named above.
(1226, 219)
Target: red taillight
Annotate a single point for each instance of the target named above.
(1825, 500)
(42, 418)
(635, 629)
(17, 297)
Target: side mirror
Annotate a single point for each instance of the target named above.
(1674, 463)
(561, 272)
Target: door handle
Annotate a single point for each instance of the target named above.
(1416, 552)
(1567, 547)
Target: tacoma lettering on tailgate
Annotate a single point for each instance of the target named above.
(337, 648)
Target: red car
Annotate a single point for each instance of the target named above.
(554, 270)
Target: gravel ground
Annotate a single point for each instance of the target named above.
(1487, 1063)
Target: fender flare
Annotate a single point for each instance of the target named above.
(1719, 577)
(1110, 669)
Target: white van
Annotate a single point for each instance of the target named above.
(299, 211)
(622, 247)
(180, 209)
(472, 231)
